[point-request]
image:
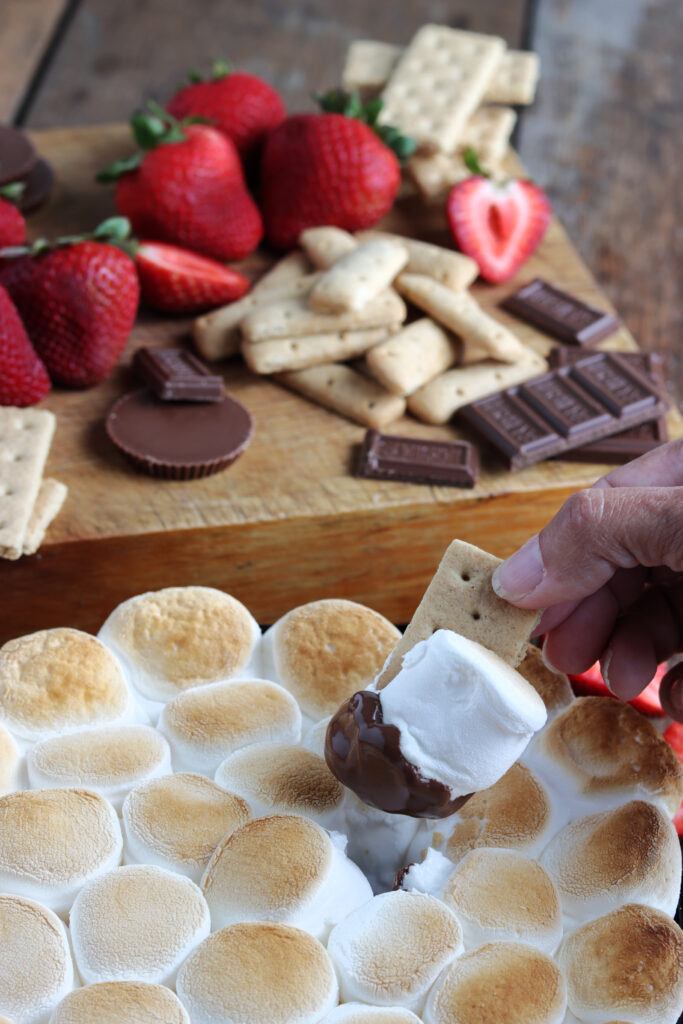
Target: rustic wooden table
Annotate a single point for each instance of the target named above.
(603, 137)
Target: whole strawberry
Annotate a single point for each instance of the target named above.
(23, 377)
(242, 106)
(78, 302)
(12, 223)
(498, 224)
(186, 187)
(329, 168)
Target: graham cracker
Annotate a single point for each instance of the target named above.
(325, 245)
(515, 79)
(343, 390)
(291, 267)
(488, 133)
(359, 276)
(289, 318)
(438, 83)
(413, 356)
(452, 269)
(433, 174)
(51, 497)
(25, 438)
(310, 350)
(368, 66)
(438, 400)
(460, 598)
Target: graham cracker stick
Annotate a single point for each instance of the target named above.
(413, 356)
(291, 267)
(359, 276)
(438, 83)
(460, 313)
(450, 268)
(437, 401)
(51, 497)
(291, 318)
(25, 438)
(325, 245)
(217, 334)
(343, 390)
(460, 598)
(310, 350)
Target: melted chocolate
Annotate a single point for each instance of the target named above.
(364, 753)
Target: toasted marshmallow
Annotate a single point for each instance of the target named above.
(505, 981)
(628, 855)
(390, 951)
(515, 813)
(281, 778)
(53, 841)
(599, 753)
(121, 1002)
(360, 1013)
(171, 640)
(464, 715)
(61, 680)
(283, 868)
(252, 972)
(137, 923)
(10, 763)
(626, 965)
(36, 969)
(325, 651)
(177, 822)
(206, 725)
(552, 687)
(109, 761)
(495, 895)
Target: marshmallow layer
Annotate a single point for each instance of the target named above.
(121, 1002)
(10, 763)
(464, 715)
(252, 973)
(36, 970)
(359, 1013)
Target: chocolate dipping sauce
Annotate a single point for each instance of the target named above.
(364, 753)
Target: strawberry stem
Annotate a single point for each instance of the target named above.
(13, 191)
(113, 231)
(156, 128)
(338, 101)
(471, 161)
(219, 69)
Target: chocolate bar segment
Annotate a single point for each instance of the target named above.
(560, 314)
(595, 398)
(175, 375)
(627, 444)
(410, 459)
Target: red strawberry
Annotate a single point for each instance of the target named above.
(78, 302)
(175, 280)
(23, 377)
(674, 735)
(329, 168)
(242, 106)
(187, 188)
(498, 224)
(12, 223)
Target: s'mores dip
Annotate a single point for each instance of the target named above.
(202, 823)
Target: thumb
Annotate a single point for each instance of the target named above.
(596, 532)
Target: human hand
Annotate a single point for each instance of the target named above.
(608, 570)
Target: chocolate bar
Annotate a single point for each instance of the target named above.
(175, 375)
(627, 444)
(413, 460)
(560, 314)
(597, 397)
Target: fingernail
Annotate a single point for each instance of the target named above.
(605, 662)
(671, 692)
(520, 574)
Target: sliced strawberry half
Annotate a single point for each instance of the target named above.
(674, 735)
(590, 683)
(175, 280)
(498, 224)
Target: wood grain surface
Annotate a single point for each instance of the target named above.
(27, 29)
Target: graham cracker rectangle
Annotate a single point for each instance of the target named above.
(413, 356)
(452, 269)
(460, 598)
(343, 390)
(488, 133)
(281, 354)
(217, 334)
(515, 79)
(368, 66)
(325, 245)
(483, 336)
(359, 276)
(438, 83)
(291, 267)
(25, 439)
(51, 497)
(433, 174)
(291, 318)
(438, 400)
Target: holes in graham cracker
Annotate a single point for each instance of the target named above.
(476, 616)
(465, 577)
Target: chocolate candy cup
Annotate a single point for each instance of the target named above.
(39, 182)
(179, 440)
(17, 155)
(364, 753)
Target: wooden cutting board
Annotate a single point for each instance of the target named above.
(288, 522)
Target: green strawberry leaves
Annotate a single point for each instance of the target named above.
(338, 101)
(113, 231)
(13, 191)
(219, 69)
(152, 129)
